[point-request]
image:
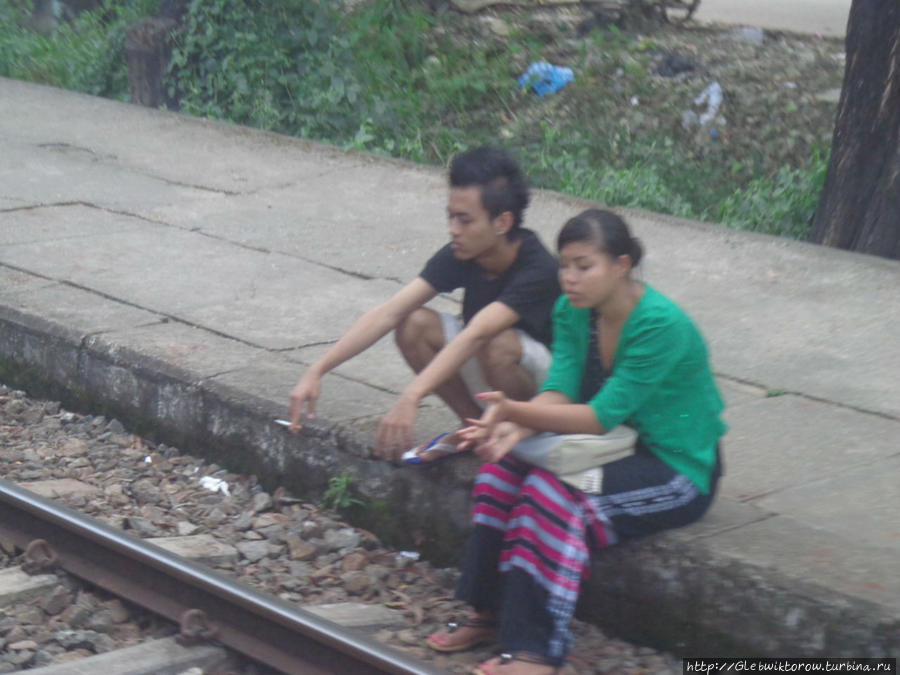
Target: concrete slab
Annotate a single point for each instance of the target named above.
(227, 299)
(724, 515)
(214, 155)
(86, 312)
(157, 657)
(62, 173)
(788, 441)
(273, 380)
(380, 232)
(61, 488)
(199, 547)
(17, 586)
(357, 614)
(196, 350)
(738, 393)
(820, 558)
(839, 504)
(52, 229)
(13, 281)
(381, 366)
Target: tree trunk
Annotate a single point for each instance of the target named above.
(860, 206)
(148, 48)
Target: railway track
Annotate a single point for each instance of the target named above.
(207, 606)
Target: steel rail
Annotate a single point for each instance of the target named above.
(262, 627)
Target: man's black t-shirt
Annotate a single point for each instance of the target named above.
(529, 287)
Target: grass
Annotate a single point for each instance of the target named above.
(392, 79)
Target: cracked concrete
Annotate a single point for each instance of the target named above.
(180, 274)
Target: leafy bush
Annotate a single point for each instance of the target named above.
(783, 204)
(371, 80)
(86, 54)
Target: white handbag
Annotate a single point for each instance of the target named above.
(577, 459)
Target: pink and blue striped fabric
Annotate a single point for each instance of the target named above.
(546, 533)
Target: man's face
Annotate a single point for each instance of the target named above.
(472, 231)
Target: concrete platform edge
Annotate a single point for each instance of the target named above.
(674, 591)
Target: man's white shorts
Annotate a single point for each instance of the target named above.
(535, 358)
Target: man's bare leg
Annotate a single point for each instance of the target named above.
(500, 361)
(420, 337)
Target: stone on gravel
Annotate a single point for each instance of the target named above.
(142, 526)
(117, 611)
(198, 547)
(216, 517)
(145, 492)
(186, 529)
(261, 502)
(56, 488)
(342, 539)
(357, 614)
(253, 550)
(23, 644)
(56, 600)
(300, 549)
(16, 586)
(353, 562)
(355, 583)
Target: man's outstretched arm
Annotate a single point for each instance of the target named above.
(395, 431)
(366, 331)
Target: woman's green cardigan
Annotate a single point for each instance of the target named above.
(661, 384)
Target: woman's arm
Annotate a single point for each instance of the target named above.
(543, 413)
(492, 437)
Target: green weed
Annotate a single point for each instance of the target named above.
(783, 204)
(338, 496)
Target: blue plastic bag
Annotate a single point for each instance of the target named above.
(545, 78)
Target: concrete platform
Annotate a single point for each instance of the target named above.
(180, 274)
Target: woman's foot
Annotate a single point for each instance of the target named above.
(518, 663)
(456, 637)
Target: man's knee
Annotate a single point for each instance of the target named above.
(422, 326)
(502, 351)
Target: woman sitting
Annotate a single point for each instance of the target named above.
(622, 354)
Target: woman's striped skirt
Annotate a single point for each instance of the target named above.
(530, 547)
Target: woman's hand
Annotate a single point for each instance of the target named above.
(497, 410)
(500, 441)
(490, 438)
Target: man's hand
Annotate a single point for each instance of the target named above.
(394, 435)
(306, 393)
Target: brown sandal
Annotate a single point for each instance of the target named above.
(487, 625)
(524, 657)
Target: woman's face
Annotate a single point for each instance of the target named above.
(589, 276)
